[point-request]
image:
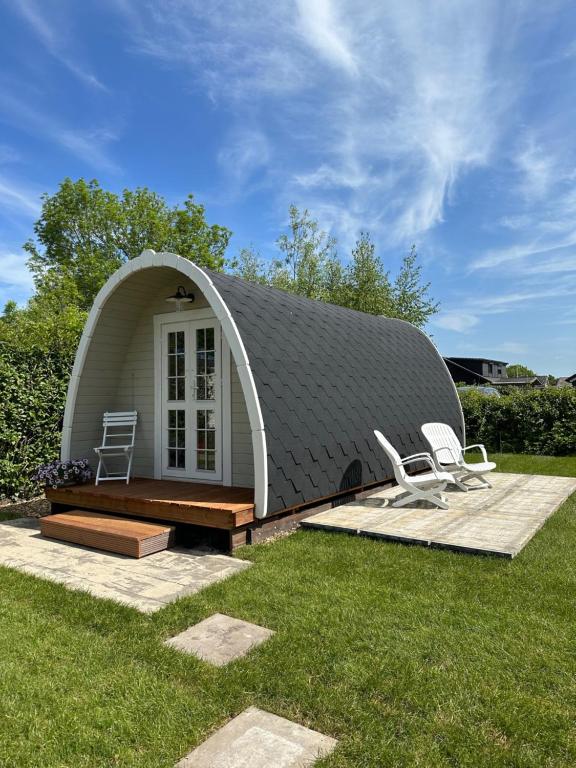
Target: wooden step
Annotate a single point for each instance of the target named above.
(113, 534)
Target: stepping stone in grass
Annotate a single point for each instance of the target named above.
(220, 639)
(257, 739)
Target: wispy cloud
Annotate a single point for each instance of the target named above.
(456, 320)
(325, 34)
(88, 144)
(467, 316)
(246, 152)
(18, 198)
(15, 279)
(52, 39)
(384, 106)
(14, 272)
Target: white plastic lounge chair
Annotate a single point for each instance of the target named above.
(449, 456)
(424, 487)
(118, 440)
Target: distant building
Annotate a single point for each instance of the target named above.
(567, 381)
(475, 370)
(481, 370)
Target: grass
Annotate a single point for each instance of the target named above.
(409, 656)
(527, 464)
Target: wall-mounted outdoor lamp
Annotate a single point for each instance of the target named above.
(182, 296)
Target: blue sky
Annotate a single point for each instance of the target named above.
(448, 124)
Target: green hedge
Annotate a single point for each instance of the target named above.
(33, 390)
(533, 421)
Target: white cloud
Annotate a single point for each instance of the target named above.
(15, 279)
(456, 320)
(88, 144)
(53, 42)
(19, 199)
(538, 169)
(318, 23)
(464, 318)
(246, 151)
(13, 270)
(383, 105)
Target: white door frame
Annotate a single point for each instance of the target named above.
(225, 400)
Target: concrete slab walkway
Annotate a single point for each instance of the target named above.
(500, 520)
(147, 584)
(257, 739)
(220, 639)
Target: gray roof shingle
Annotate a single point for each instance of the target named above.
(327, 376)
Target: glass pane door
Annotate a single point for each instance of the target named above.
(207, 400)
(176, 399)
(191, 400)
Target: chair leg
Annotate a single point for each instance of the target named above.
(99, 469)
(461, 485)
(481, 479)
(438, 499)
(129, 470)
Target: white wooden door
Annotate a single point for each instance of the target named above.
(191, 394)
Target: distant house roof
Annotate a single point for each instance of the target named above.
(567, 381)
(520, 380)
(464, 360)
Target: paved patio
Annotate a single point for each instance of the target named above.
(147, 584)
(500, 520)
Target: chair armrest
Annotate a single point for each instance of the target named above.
(427, 459)
(436, 451)
(415, 456)
(480, 447)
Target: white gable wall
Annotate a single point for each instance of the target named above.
(119, 373)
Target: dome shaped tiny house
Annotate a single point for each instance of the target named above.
(252, 403)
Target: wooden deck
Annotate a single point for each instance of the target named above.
(213, 506)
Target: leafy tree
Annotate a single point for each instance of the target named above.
(85, 233)
(517, 369)
(309, 265)
(51, 323)
(366, 283)
(410, 296)
(305, 252)
(249, 266)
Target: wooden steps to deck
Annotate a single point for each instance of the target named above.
(214, 506)
(112, 534)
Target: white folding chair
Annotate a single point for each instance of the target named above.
(118, 440)
(448, 455)
(425, 487)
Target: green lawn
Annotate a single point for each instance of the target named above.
(409, 656)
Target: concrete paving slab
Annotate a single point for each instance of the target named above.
(500, 520)
(220, 639)
(147, 584)
(258, 739)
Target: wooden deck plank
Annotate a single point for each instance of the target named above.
(205, 504)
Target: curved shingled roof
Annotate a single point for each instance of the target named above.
(326, 377)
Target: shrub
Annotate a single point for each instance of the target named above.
(33, 386)
(541, 421)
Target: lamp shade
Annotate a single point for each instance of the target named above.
(182, 296)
